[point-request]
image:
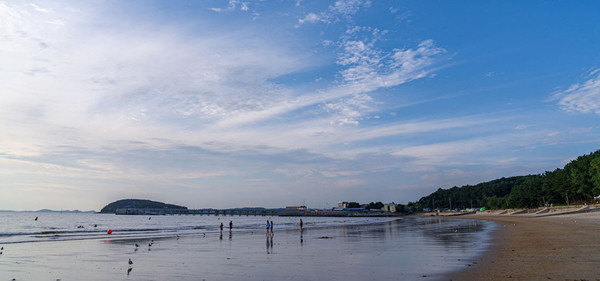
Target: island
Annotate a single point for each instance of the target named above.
(139, 206)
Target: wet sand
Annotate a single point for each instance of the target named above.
(565, 247)
(411, 249)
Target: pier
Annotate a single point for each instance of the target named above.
(216, 212)
(253, 212)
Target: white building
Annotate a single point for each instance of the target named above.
(391, 208)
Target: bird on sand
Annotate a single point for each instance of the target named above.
(136, 245)
(130, 262)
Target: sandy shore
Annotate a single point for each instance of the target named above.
(565, 247)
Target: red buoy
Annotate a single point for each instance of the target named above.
(109, 231)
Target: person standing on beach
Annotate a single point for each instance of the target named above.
(230, 225)
(272, 227)
(221, 227)
(268, 227)
(301, 224)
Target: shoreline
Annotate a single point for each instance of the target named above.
(559, 247)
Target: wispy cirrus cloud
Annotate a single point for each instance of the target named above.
(581, 97)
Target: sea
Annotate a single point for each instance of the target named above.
(327, 248)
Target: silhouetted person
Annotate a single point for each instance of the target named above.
(221, 227)
(268, 227)
(301, 224)
(230, 225)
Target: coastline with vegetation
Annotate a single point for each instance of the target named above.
(578, 182)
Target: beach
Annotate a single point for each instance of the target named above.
(408, 249)
(562, 247)
(481, 246)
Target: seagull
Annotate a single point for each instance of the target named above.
(136, 245)
(130, 262)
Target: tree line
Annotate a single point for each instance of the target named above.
(577, 182)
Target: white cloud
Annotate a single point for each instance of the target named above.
(376, 68)
(96, 89)
(310, 18)
(350, 110)
(39, 9)
(233, 5)
(341, 9)
(583, 97)
(138, 84)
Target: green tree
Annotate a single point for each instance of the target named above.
(353, 205)
(595, 174)
(376, 206)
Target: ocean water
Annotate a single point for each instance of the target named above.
(76, 247)
(19, 227)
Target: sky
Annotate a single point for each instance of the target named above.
(220, 104)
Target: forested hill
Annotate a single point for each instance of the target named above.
(137, 204)
(471, 195)
(578, 181)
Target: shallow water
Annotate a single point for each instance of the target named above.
(21, 227)
(327, 249)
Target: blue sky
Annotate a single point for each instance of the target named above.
(272, 103)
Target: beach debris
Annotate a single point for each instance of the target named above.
(109, 231)
(325, 237)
